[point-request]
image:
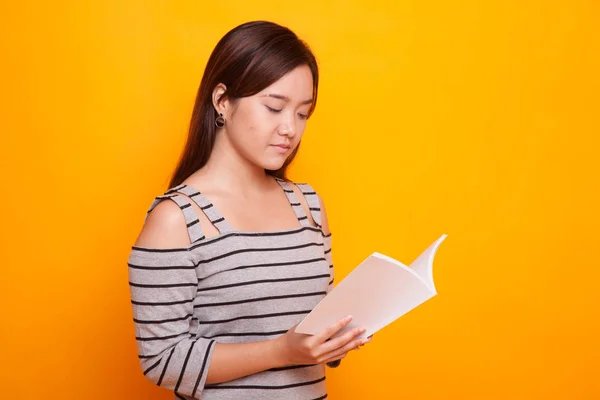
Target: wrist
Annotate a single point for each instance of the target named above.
(277, 353)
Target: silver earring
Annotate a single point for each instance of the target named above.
(220, 121)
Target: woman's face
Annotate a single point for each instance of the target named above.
(267, 127)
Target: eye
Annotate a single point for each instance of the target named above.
(303, 116)
(273, 110)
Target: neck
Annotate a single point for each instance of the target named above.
(233, 171)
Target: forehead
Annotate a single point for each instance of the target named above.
(296, 85)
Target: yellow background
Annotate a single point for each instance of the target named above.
(478, 119)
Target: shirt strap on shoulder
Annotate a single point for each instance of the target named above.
(313, 201)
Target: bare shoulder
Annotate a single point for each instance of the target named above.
(164, 228)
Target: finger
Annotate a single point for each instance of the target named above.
(339, 356)
(341, 341)
(335, 358)
(369, 339)
(333, 329)
(345, 349)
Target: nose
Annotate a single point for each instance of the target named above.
(287, 128)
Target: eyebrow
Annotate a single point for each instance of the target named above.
(282, 97)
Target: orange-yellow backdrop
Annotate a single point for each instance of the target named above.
(472, 118)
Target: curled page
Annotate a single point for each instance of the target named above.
(376, 293)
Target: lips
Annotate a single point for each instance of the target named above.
(282, 148)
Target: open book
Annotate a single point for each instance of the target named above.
(376, 293)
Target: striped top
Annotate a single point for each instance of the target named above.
(236, 287)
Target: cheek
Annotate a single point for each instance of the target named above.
(251, 127)
(260, 125)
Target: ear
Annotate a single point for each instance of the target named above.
(219, 99)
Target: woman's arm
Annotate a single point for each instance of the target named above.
(163, 283)
(235, 360)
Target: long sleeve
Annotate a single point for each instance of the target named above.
(163, 284)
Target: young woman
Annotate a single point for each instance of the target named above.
(222, 273)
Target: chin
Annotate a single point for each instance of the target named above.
(273, 165)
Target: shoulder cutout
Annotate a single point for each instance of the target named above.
(164, 228)
(206, 226)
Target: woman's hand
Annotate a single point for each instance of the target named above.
(299, 348)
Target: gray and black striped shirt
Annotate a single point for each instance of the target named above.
(236, 287)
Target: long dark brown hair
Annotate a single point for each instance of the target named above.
(249, 58)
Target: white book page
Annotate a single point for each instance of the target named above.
(423, 265)
(375, 293)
